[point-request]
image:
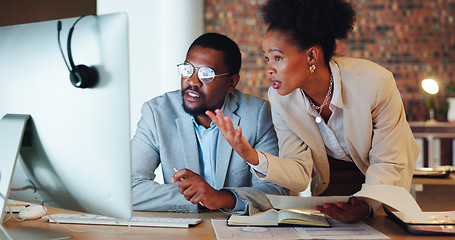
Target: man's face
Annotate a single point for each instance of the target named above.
(198, 97)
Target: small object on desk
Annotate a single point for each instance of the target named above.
(435, 172)
(445, 168)
(32, 212)
(254, 229)
(15, 206)
(283, 217)
(178, 222)
(437, 223)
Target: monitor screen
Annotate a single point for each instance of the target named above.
(75, 153)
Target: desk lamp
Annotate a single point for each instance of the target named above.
(430, 86)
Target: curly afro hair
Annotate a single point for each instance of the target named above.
(311, 22)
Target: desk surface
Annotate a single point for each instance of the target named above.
(434, 129)
(200, 232)
(450, 180)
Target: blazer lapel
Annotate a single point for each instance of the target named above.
(224, 150)
(188, 141)
(305, 127)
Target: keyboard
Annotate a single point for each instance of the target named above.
(134, 221)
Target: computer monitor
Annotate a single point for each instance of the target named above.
(75, 152)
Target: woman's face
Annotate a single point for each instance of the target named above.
(288, 66)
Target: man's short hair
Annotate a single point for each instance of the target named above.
(219, 42)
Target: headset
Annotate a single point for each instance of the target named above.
(81, 76)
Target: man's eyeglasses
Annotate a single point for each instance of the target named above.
(205, 74)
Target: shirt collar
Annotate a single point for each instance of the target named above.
(337, 99)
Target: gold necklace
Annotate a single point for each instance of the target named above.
(318, 119)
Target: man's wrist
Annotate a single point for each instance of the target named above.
(229, 199)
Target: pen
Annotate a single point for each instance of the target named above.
(175, 170)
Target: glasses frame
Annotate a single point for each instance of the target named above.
(204, 80)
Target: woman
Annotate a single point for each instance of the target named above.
(340, 121)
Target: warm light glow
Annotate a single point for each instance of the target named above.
(430, 86)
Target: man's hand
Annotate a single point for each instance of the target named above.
(350, 212)
(234, 136)
(196, 190)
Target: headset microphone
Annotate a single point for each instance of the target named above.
(81, 76)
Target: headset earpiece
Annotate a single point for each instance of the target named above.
(83, 77)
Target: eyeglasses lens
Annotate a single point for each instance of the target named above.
(206, 74)
(185, 70)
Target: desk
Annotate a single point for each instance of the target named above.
(434, 194)
(430, 131)
(450, 180)
(200, 232)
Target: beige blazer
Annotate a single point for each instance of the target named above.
(377, 134)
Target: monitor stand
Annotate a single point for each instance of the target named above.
(12, 128)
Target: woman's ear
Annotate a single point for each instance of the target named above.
(313, 55)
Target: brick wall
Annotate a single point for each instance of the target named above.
(415, 39)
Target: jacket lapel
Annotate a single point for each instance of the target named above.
(188, 141)
(305, 127)
(224, 150)
(356, 122)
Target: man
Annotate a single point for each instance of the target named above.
(200, 169)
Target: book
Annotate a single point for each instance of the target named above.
(436, 223)
(281, 217)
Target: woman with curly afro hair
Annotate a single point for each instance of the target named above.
(340, 121)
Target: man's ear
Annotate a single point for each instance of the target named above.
(233, 81)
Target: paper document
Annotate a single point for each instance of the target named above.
(223, 231)
(338, 230)
(292, 202)
(393, 196)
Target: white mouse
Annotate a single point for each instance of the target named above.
(32, 212)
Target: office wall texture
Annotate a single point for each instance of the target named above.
(415, 39)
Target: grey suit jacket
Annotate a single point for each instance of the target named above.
(165, 135)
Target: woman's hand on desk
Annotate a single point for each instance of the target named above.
(234, 136)
(350, 212)
(196, 190)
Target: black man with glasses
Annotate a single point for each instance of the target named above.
(201, 172)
